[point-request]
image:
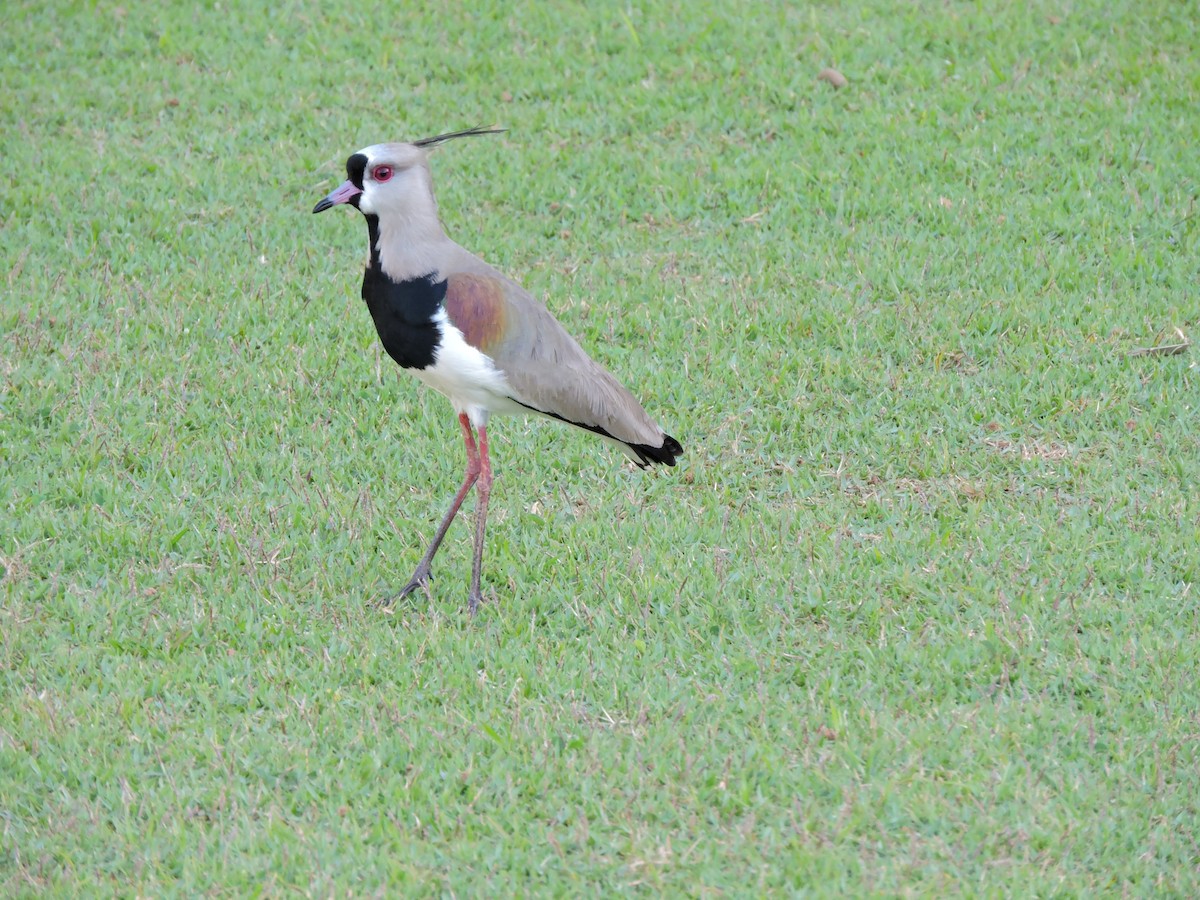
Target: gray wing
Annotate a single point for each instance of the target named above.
(548, 371)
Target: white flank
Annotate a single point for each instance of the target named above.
(467, 377)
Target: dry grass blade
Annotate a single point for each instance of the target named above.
(1161, 350)
(1180, 346)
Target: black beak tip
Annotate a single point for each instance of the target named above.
(323, 205)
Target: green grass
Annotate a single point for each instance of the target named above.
(917, 612)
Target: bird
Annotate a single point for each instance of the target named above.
(473, 334)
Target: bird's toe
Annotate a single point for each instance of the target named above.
(420, 579)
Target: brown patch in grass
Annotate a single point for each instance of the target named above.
(833, 77)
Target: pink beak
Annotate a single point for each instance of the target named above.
(344, 193)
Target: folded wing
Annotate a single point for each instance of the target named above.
(547, 370)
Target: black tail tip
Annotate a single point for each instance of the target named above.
(664, 455)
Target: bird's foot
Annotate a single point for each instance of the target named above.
(420, 579)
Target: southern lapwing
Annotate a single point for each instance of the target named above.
(473, 334)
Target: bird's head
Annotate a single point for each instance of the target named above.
(392, 179)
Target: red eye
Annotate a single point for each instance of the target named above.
(381, 173)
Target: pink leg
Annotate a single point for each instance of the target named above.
(420, 578)
(481, 508)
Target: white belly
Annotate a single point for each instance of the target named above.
(467, 377)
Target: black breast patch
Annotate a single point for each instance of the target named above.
(403, 310)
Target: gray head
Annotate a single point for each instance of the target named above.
(392, 179)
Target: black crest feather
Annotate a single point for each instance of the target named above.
(470, 132)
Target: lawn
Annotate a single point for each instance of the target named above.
(916, 613)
